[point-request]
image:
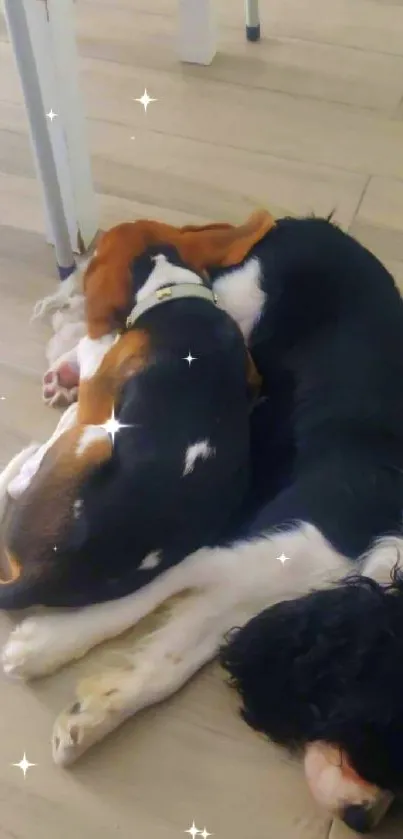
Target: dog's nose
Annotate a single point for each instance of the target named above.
(358, 818)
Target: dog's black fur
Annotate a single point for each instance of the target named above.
(329, 345)
(327, 667)
(140, 502)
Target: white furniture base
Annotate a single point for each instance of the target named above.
(197, 37)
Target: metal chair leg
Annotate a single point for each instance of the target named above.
(252, 20)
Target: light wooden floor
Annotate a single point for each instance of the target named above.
(310, 119)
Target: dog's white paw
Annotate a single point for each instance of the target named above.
(31, 649)
(60, 385)
(100, 707)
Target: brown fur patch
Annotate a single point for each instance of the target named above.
(40, 518)
(107, 279)
(97, 395)
(10, 568)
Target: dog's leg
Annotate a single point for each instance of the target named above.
(60, 382)
(383, 557)
(238, 583)
(42, 644)
(30, 465)
(88, 356)
(255, 573)
(67, 289)
(154, 669)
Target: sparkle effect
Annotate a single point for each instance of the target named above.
(282, 558)
(194, 831)
(51, 115)
(145, 100)
(24, 764)
(112, 426)
(189, 358)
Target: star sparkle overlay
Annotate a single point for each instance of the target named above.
(189, 358)
(24, 765)
(282, 558)
(145, 100)
(112, 426)
(51, 115)
(194, 831)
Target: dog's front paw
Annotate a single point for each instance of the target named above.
(100, 707)
(32, 649)
(60, 385)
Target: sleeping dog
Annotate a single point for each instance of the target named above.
(106, 506)
(324, 322)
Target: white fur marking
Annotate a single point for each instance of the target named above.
(165, 273)
(29, 468)
(91, 353)
(91, 434)
(150, 561)
(11, 471)
(230, 586)
(240, 294)
(200, 449)
(234, 584)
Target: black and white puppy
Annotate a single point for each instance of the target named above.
(324, 322)
(324, 669)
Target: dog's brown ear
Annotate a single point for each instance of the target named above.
(107, 279)
(222, 245)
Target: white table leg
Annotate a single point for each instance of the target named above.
(197, 31)
(25, 60)
(42, 35)
(252, 20)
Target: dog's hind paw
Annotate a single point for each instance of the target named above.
(32, 650)
(99, 708)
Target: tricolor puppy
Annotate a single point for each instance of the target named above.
(46, 527)
(106, 280)
(156, 462)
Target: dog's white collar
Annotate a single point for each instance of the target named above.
(164, 295)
